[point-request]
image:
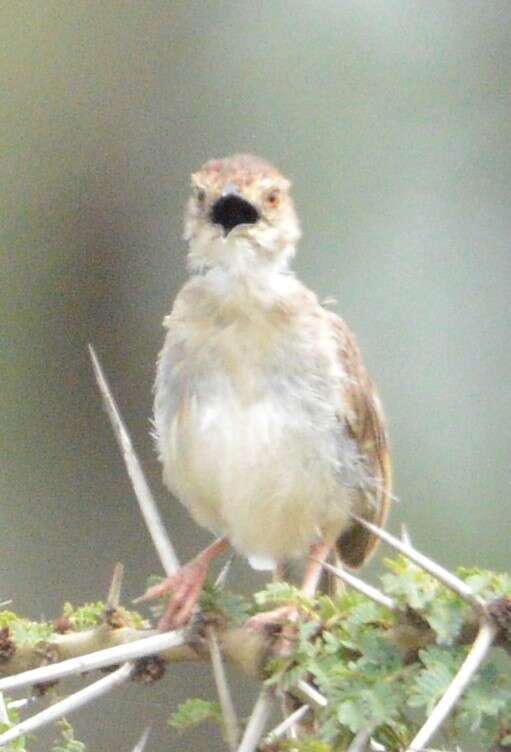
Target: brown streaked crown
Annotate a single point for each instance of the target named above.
(240, 169)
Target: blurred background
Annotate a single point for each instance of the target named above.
(393, 121)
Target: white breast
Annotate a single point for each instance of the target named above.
(249, 437)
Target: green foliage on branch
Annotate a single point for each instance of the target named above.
(194, 711)
(383, 669)
(23, 632)
(67, 741)
(14, 717)
(378, 668)
(229, 608)
(91, 615)
(371, 666)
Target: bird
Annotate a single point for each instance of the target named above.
(268, 427)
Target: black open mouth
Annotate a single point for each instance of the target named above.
(231, 211)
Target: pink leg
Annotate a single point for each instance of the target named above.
(186, 586)
(319, 552)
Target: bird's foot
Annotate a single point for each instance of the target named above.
(185, 588)
(276, 616)
(281, 621)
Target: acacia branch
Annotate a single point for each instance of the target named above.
(110, 644)
(68, 705)
(138, 648)
(244, 645)
(163, 547)
(488, 632)
(466, 673)
(436, 570)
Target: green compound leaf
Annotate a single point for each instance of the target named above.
(23, 632)
(91, 615)
(234, 609)
(304, 744)
(439, 668)
(20, 744)
(283, 594)
(486, 583)
(409, 584)
(28, 634)
(487, 696)
(367, 707)
(67, 742)
(446, 615)
(445, 612)
(85, 617)
(194, 711)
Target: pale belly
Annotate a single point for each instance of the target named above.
(264, 472)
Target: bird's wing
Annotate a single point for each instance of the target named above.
(364, 422)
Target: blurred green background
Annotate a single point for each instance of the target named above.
(392, 118)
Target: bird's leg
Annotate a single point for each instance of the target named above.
(276, 615)
(312, 575)
(185, 587)
(318, 553)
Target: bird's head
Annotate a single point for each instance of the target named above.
(240, 216)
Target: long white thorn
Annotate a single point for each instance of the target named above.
(141, 744)
(21, 703)
(361, 741)
(69, 705)
(157, 643)
(146, 502)
(363, 587)
(483, 642)
(4, 716)
(224, 572)
(257, 722)
(287, 723)
(443, 575)
(405, 535)
(309, 694)
(114, 592)
(232, 729)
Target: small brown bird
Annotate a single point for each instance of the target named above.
(267, 424)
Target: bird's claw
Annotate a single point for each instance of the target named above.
(185, 587)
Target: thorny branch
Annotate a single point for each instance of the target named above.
(147, 504)
(486, 636)
(363, 587)
(436, 570)
(232, 731)
(468, 669)
(161, 542)
(108, 645)
(69, 705)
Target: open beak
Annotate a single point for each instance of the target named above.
(231, 210)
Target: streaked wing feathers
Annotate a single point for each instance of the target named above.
(365, 422)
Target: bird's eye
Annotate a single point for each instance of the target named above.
(272, 199)
(200, 195)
